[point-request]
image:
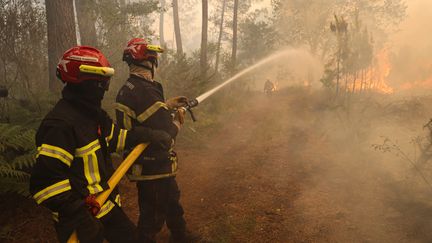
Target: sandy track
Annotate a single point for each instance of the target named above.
(275, 173)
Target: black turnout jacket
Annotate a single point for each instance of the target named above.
(73, 159)
(141, 103)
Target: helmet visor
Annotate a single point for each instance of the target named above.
(155, 48)
(103, 71)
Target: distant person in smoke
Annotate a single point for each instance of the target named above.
(269, 87)
(141, 103)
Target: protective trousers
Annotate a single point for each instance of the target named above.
(159, 203)
(115, 227)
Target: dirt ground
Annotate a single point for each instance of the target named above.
(288, 168)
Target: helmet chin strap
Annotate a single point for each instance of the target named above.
(147, 67)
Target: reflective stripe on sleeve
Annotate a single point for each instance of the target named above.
(89, 148)
(128, 111)
(55, 152)
(108, 139)
(106, 208)
(91, 166)
(91, 172)
(121, 140)
(151, 110)
(52, 190)
(118, 200)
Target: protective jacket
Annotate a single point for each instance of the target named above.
(74, 144)
(141, 103)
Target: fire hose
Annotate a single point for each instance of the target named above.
(130, 159)
(114, 180)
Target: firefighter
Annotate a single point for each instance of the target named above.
(141, 103)
(269, 87)
(73, 163)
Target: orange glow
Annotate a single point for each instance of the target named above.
(422, 84)
(375, 77)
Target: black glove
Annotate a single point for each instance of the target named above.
(156, 137)
(87, 227)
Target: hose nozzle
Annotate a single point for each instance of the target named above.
(190, 104)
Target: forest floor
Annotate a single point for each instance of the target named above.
(291, 167)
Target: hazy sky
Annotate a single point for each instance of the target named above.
(411, 47)
(191, 31)
(417, 28)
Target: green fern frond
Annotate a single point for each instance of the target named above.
(8, 185)
(25, 161)
(7, 171)
(16, 138)
(17, 152)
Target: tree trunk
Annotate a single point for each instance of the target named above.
(61, 35)
(86, 22)
(161, 23)
(234, 44)
(203, 59)
(338, 70)
(220, 36)
(177, 28)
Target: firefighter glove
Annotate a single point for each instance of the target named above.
(179, 117)
(176, 102)
(93, 206)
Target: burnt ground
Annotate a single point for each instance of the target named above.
(292, 167)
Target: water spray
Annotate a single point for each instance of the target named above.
(194, 102)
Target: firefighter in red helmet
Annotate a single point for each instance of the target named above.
(141, 103)
(73, 161)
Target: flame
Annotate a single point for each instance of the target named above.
(421, 84)
(375, 77)
(275, 86)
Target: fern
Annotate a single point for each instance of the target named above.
(25, 161)
(17, 152)
(6, 171)
(9, 185)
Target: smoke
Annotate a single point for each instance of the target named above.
(411, 60)
(297, 67)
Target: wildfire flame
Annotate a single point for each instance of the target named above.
(420, 84)
(375, 77)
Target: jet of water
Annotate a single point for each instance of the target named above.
(244, 71)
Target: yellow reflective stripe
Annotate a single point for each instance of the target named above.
(128, 113)
(174, 165)
(151, 110)
(89, 148)
(103, 71)
(151, 177)
(118, 200)
(55, 152)
(91, 173)
(125, 109)
(106, 208)
(155, 48)
(55, 216)
(108, 139)
(127, 122)
(121, 140)
(52, 190)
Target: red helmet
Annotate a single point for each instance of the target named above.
(82, 63)
(139, 50)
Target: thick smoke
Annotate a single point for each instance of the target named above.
(411, 60)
